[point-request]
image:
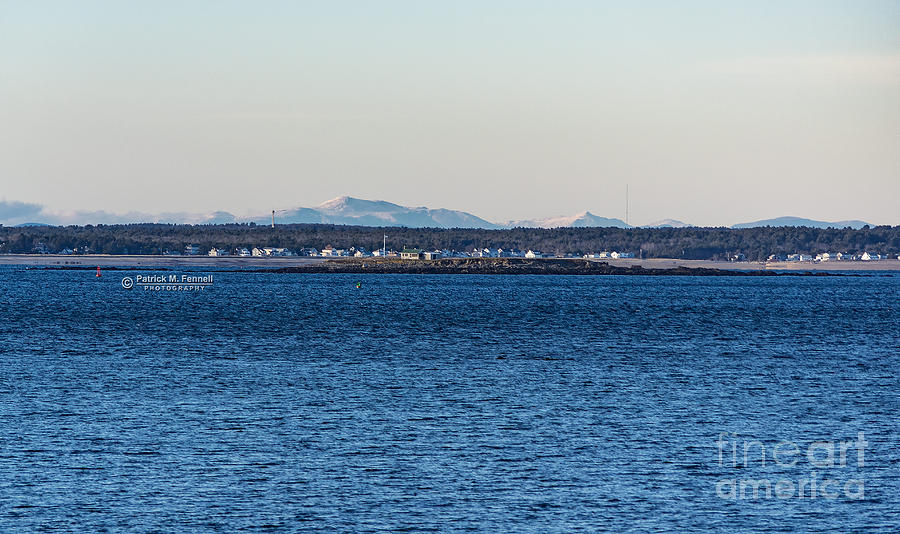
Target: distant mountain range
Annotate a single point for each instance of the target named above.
(667, 223)
(354, 211)
(579, 220)
(799, 221)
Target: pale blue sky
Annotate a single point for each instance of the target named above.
(713, 112)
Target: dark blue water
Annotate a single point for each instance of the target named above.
(445, 403)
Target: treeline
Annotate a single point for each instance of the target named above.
(689, 243)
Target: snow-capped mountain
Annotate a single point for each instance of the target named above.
(356, 211)
(667, 223)
(579, 220)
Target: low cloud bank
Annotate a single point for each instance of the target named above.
(15, 213)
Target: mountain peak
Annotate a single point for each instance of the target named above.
(667, 223)
(580, 219)
(337, 202)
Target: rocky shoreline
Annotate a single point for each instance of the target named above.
(515, 266)
(510, 266)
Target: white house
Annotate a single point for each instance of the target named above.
(217, 252)
(621, 255)
(870, 257)
(485, 253)
(258, 252)
(192, 250)
(242, 252)
(532, 254)
(276, 251)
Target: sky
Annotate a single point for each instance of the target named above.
(711, 112)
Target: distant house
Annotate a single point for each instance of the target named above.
(217, 252)
(242, 252)
(258, 252)
(275, 251)
(192, 250)
(621, 255)
(411, 254)
(805, 257)
(531, 254)
(433, 255)
(486, 253)
(870, 257)
(66, 251)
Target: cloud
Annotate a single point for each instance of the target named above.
(13, 213)
(14, 210)
(105, 217)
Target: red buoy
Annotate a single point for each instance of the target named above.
(98, 271)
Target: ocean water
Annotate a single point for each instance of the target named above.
(275, 402)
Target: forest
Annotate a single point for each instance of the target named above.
(689, 243)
